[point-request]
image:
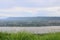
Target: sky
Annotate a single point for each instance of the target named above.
(29, 8)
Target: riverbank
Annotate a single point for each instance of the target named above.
(29, 36)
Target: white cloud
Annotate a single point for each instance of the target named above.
(19, 9)
(34, 11)
(10, 11)
(30, 10)
(11, 15)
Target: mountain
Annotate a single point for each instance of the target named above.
(30, 21)
(33, 18)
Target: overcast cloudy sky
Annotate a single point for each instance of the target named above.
(29, 8)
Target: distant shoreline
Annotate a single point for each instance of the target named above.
(27, 26)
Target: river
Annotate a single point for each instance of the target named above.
(39, 30)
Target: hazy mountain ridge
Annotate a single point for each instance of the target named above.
(35, 18)
(30, 21)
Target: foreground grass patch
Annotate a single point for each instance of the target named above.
(29, 36)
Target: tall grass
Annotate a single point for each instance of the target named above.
(29, 36)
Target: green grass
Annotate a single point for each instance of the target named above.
(29, 36)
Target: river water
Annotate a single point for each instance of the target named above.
(44, 29)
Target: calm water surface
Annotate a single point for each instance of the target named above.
(31, 29)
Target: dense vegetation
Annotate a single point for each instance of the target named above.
(30, 21)
(29, 36)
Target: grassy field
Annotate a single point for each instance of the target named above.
(29, 36)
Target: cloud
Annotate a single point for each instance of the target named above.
(29, 3)
(31, 10)
(29, 7)
(38, 3)
(19, 9)
(24, 11)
